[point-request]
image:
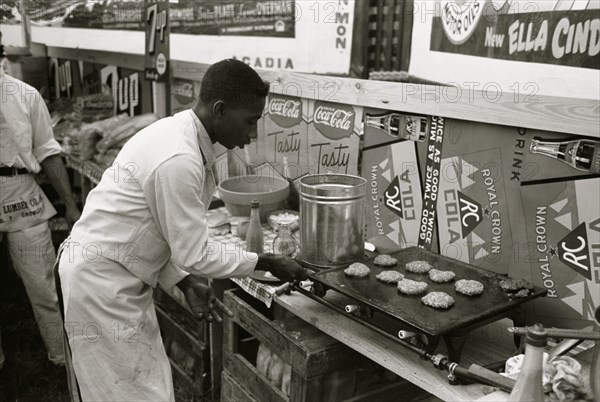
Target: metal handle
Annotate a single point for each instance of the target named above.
(560, 333)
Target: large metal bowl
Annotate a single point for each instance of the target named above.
(238, 192)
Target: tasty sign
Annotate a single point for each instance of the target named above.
(333, 135)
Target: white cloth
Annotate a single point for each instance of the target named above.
(26, 136)
(23, 204)
(111, 325)
(149, 210)
(32, 255)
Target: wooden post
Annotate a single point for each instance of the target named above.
(160, 99)
(360, 41)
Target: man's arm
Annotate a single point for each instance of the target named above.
(47, 151)
(55, 170)
(174, 198)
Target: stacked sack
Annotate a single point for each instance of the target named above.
(271, 366)
(102, 140)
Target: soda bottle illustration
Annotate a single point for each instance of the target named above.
(399, 126)
(581, 154)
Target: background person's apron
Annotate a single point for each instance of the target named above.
(23, 204)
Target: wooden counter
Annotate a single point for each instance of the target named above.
(485, 345)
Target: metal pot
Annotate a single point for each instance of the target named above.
(331, 219)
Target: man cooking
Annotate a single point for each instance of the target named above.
(145, 223)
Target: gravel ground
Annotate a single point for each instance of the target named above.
(27, 374)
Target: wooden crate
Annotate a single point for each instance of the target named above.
(316, 359)
(185, 343)
(231, 390)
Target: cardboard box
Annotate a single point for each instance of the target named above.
(334, 136)
(284, 133)
(563, 233)
(394, 201)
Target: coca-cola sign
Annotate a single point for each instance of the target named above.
(334, 121)
(285, 111)
(183, 91)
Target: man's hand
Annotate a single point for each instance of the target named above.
(72, 215)
(54, 168)
(201, 299)
(284, 268)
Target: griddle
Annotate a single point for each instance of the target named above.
(384, 298)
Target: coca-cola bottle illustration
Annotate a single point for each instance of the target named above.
(581, 154)
(399, 126)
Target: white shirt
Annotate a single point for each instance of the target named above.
(149, 210)
(26, 136)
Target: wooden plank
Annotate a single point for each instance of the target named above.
(388, 33)
(180, 375)
(180, 314)
(249, 377)
(379, 35)
(383, 351)
(391, 392)
(406, 25)
(566, 115)
(233, 391)
(557, 114)
(189, 70)
(179, 334)
(125, 60)
(359, 58)
(216, 335)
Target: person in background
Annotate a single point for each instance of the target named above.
(27, 146)
(147, 223)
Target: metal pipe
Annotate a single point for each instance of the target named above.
(351, 308)
(402, 334)
(560, 333)
(474, 373)
(415, 349)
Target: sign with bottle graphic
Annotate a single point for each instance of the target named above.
(156, 22)
(472, 211)
(563, 232)
(184, 94)
(394, 126)
(394, 199)
(333, 134)
(581, 154)
(283, 133)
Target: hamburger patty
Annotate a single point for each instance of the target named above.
(410, 287)
(385, 260)
(390, 276)
(358, 270)
(441, 276)
(469, 287)
(418, 267)
(439, 300)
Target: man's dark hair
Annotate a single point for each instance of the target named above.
(233, 82)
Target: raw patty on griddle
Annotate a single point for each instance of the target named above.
(385, 260)
(418, 267)
(469, 287)
(441, 276)
(410, 287)
(390, 276)
(512, 285)
(438, 300)
(357, 269)
(522, 293)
